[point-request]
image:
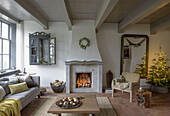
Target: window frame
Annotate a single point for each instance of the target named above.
(2, 40)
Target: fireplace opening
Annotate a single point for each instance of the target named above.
(83, 80)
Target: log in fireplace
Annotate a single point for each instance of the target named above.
(83, 80)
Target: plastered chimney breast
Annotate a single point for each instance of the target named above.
(82, 28)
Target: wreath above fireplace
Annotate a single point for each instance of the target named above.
(85, 44)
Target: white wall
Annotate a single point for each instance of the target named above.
(63, 36)
(162, 38)
(109, 43)
(20, 46)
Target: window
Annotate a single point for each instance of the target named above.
(5, 46)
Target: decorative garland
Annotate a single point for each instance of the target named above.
(135, 44)
(84, 46)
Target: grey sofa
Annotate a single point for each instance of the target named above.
(27, 96)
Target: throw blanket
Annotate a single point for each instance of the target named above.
(10, 107)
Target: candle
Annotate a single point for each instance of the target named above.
(70, 99)
(73, 104)
(60, 103)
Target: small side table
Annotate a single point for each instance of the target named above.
(144, 98)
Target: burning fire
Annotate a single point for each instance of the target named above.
(83, 80)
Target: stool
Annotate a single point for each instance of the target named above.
(143, 98)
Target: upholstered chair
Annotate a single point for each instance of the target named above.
(131, 84)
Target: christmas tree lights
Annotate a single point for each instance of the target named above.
(142, 67)
(159, 72)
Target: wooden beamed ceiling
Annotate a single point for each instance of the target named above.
(125, 13)
(37, 17)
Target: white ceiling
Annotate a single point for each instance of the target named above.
(83, 9)
(50, 10)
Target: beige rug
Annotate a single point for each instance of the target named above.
(105, 106)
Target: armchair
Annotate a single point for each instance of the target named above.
(131, 85)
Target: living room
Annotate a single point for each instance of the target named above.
(86, 47)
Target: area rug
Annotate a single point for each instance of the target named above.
(105, 106)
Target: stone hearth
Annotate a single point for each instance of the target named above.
(92, 67)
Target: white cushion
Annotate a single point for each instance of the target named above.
(11, 78)
(122, 85)
(24, 78)
(2, 93)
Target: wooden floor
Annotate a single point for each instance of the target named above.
(121, 104)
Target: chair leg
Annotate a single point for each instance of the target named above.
(113, 92)
(130, 96)
(39, 96)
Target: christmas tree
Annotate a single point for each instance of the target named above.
(142, 67)
(159, 72)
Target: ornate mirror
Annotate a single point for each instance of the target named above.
(134, 54)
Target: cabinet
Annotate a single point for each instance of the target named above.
(42, 49)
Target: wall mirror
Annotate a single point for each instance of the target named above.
(134, 54)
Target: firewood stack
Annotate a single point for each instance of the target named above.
(57, 83)
(83, 80)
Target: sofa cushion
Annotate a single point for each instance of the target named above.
(17, 88)
(21, 98)
(28, 93)
(11, 78)
(28, 79)
(2, 93)
(131, 77)
(23, 95)
(5, 84)
(4, 79)
(24, 78)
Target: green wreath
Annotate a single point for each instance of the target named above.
(86, 45)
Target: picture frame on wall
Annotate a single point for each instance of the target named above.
(126, 53)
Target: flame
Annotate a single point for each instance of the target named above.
(83, 80)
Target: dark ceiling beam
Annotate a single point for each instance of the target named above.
(160, 24)
(142, 11)
(104, 10)
(63, 5)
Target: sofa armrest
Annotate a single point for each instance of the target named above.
(36, 80)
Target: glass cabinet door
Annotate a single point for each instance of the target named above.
(52, 50)
(42, 49)
(34, 59)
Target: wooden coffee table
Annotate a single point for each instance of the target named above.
(89, 106)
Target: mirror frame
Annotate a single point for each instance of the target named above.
(135, 36)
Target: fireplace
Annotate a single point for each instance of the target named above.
(84, 61)
(83, 80)
(84, 76)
